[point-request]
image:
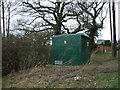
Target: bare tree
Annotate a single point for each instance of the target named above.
(92, 18)
(8, 26)
(54, 14)
(8, 11)
(88, 15)
(0, 18)
(110, 20)
(3, 16)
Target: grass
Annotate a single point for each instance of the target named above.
(109, 80)
(103, 55)
(100, 73)
(102, 58)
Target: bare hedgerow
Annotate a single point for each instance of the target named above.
(25, 52)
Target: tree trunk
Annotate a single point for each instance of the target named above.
(110, 21)
(8, 26)
(114, 33)
(0, 19)
(3, 17)
(57, 29)
(92, 41)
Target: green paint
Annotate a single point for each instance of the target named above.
(70, 49)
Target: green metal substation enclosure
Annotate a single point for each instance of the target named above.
(70, 49)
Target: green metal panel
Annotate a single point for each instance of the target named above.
(85, 51)
(68, 49)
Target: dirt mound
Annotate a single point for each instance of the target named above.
(46, 76)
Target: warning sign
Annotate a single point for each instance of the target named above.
(65, 42)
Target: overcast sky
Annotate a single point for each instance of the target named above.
(104, 34)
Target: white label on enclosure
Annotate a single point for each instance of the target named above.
(59, 62)
(87, 43)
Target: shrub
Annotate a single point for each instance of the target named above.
(25, 52)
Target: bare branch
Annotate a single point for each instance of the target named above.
(66, 29)
(85, 9)
(34, 20)
(25, 29)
